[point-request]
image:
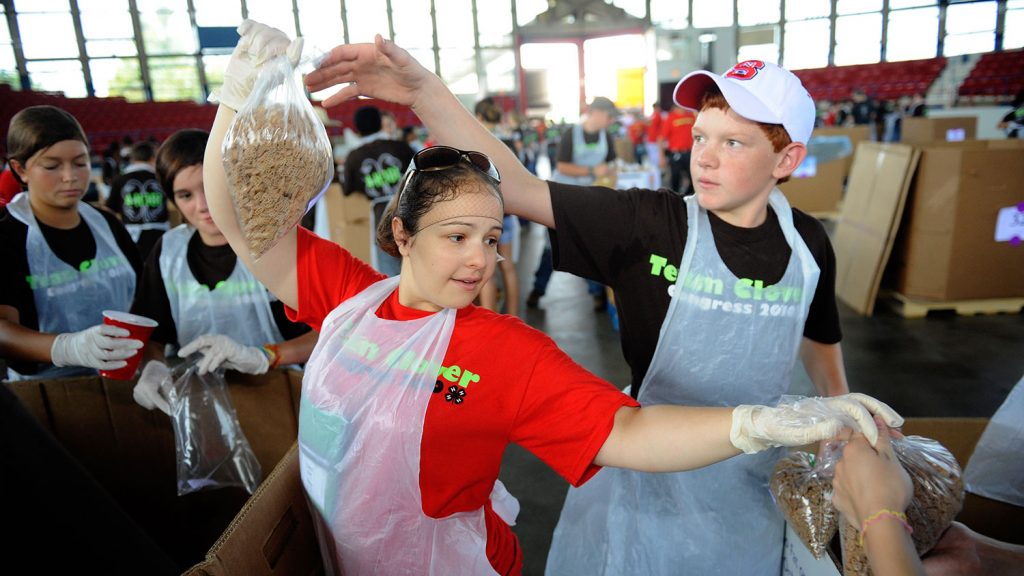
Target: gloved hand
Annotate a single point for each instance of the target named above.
(756, 428)
(221, 351)
(103, 347)
(150, 391)
(258, 44)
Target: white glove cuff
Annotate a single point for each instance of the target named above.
(742, 432)
(59, 351)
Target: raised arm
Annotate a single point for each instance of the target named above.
(385, 71)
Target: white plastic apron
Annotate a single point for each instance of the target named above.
(364, 398)
(69, 299)
(996, 469)
(584, 154)
(719, 519)
(238, 307)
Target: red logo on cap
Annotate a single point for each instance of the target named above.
(745, 70)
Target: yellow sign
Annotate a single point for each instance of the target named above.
(630, 88)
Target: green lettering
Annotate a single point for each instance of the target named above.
(671, 273)
(657, 264)
(742, 288)
(467, 378)
(451, 373)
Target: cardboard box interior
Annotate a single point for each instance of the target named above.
(946, 249)
(867, 225)
(130, 450)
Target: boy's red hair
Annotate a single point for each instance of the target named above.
(776, 133)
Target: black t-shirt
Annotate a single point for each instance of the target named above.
(138, 198)
(73, 246)
(619, 238)
(566, 143)
(375, 168)
(209, 265)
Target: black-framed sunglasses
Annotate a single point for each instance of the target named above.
(438, 158)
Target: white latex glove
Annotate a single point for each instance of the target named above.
(150, 391)
(221, 351)
(808, 420)
(258, 44)
(103, 347)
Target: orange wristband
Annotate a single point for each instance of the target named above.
(899, 516)
(273, 355)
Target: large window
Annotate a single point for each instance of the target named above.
(274, 12)
(58, 76)
(970, 28)
(174, 78)
(912, 34)
(366, 20)
(1013, 35)
(8, 65)
(753, 12)
(117, 77)
(527, 10)
(808, 9)
(858, 39)
(712, 13)
(166, 28)
(47, 34)
(806, 44)
(670, 14)
(494, 18)
(107, 28)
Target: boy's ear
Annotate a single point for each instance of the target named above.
(789, 159)
(401, 236)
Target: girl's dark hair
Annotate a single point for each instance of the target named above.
(183, 149)
(38, 127)
(421, 190)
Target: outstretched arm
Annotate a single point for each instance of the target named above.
(385, 71)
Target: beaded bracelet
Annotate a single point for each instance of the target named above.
(899, 516)
(273, 355)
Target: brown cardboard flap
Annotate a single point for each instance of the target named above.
(871, 213)
(272, 535)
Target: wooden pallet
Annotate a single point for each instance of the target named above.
(910, 307)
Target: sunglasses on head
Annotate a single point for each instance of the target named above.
(438, 158)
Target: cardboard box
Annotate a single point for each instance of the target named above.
(948, 248)
(349, 220)
(826, 168)
(130, 450)
(924, 131)
(272, 535)
(866, 230)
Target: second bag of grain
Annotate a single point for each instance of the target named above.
(277, 157)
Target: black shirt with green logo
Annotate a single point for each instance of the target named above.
(375, 168)
(633, 240)
(73, 246)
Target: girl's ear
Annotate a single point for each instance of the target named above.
(17, 168)
(402, 236)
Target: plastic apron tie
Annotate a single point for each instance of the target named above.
(364, 397)
(724, 341)
(239, 307)
(69, 299)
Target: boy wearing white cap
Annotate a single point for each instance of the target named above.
(717, 296)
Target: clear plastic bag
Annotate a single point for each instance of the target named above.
(277, 157)
(803, 492)
(996, 469)
(938, 498)
(212, 450)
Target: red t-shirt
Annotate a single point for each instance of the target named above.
(654, 122)
(519, 387)
(678, 130)
(9, 187)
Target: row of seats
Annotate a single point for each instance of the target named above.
(884, 80)
(996, 74)
(107, 120)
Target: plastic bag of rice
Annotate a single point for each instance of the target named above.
(938, 498)
(277, 157)
(803, 492)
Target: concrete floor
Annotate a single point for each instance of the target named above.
(937, 366)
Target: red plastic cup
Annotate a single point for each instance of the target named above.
(139, 328)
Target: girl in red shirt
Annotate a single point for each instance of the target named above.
(412, 393)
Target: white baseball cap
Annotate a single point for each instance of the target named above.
(758, 91)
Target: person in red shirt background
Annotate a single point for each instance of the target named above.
(9, 186)
(677, 134)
